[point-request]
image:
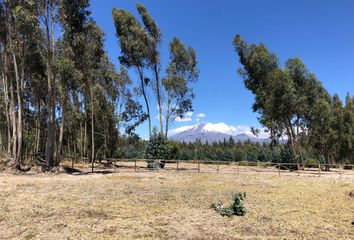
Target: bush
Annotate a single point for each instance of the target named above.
(228, 156)
(311, 163)
(158, 147)
(130, 152)
(154, 165)
(237, 208)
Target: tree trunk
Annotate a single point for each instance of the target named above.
(51, 88)
(85, 128)
(38, 127)
(14, 123)
(2, 150)
(61, 131)
(19, 115)
(81, 141)
(159, 100)
(105, 140)
(145, 98)
(6, 98)
(13, 120)
(92, 130)
(167, 117)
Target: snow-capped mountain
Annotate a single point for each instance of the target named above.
(216, 132)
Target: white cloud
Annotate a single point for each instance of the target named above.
(185, 119)
(181, 129)
(189, 114)
(201, 115)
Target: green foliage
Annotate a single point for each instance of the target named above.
(158, 147)
(227, 155)
(131, 152)
(236, 208)
(312, 163)
(288, 99)
(155, 165)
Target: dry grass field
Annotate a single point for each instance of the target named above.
(173, 205)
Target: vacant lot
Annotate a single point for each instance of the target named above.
(171, 205)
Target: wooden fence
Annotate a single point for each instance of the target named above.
(210, 166)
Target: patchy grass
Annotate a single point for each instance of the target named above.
(170, 205)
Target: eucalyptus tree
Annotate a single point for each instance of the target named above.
(19, 37)
(153, 45)
(141, 48)
(74, 16)
(284, 98)
(259, 65)
(92, 58)
(128, 111)
(181, 73)
(5, 120)
(47, 12)
(347, 150)
(132, 41)
(335, 137)
(69, 77)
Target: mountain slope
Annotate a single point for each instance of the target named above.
(207, 132)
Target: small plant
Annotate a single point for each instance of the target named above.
(155, 165)
(237, 208)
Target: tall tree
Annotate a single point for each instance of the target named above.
(285, 98)
(74, 16)
(132, 40)
(140, 46)
(48, 12)
(181, 73)
(153, 42)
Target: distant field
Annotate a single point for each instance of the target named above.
(173, 205)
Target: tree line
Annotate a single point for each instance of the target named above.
(292, 102)
(60, 93)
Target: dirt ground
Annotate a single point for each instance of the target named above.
(173, 205)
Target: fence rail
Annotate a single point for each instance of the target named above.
(211, 166)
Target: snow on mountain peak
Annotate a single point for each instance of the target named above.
(217, 128)
(213, 132)
(220, 128)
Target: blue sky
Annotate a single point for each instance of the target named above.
(320, 32)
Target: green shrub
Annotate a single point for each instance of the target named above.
(154, 165)
(228, 155)
(311, 163)
(237, 208)
(157, 150)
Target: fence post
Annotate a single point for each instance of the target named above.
(218, 167)
(237, 168)
(177, 164)
(72, 164)
(319, 170)
(258, 167)
(340, 171)
(198, 166)
(279, 169)
(135, 165)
